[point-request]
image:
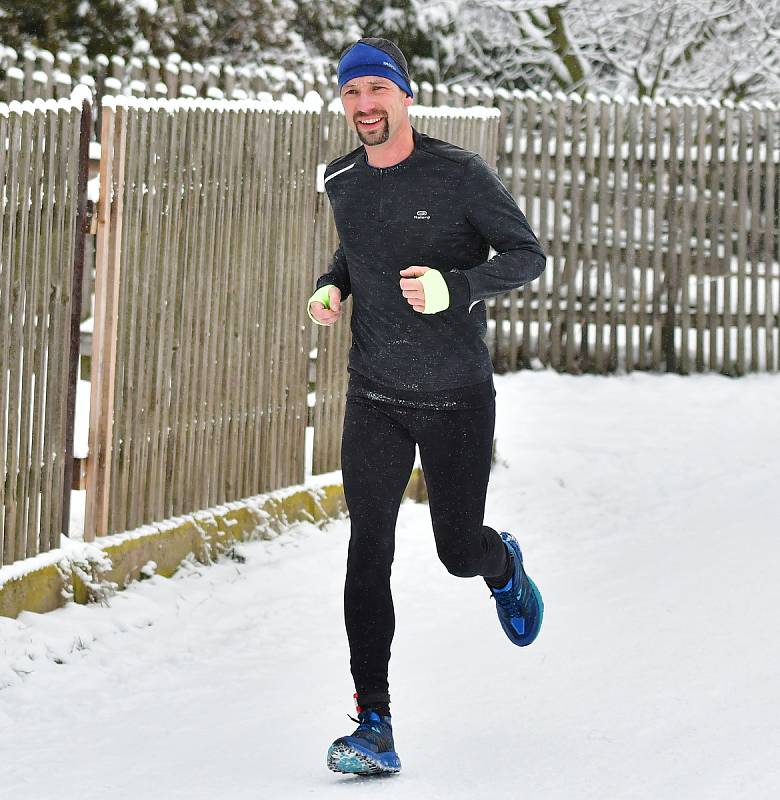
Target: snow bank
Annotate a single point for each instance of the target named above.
(646, 509)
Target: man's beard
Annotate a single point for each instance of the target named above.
(370, 138)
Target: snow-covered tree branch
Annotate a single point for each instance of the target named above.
(720, 48)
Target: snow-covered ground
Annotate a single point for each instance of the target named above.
(647, 510)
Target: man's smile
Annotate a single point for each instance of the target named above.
(370, 121)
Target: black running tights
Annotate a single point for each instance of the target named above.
(377, 456)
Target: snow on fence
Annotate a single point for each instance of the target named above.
(660, 220)
(39, 73)
(42, 162)
(199, 390)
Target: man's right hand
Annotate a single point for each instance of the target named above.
(327, 312)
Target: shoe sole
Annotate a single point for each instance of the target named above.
(351, 761)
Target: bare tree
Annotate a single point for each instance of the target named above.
(512, 43)
(721, 48)
(725, 48)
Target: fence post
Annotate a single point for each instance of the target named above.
(672, 276)
(75, 307)
(107, 263)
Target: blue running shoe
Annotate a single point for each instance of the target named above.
(518, 604)
(370, 749)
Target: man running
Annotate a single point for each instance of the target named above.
(416, 217)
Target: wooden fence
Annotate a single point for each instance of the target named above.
(205, 257)
(660, 221)
(200, 356)
(42, 182)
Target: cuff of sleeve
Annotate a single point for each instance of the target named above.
(327, 280)
(458, 286)
(322, 295)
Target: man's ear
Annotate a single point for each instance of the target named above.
(408, 101)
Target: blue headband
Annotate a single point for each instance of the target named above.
(363, 59)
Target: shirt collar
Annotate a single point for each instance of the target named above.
(401, 165)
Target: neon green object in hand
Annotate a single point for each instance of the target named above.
(322, 295)
(437, 295)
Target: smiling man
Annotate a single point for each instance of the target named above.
(416, 218)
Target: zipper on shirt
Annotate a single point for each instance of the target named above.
(381, 195)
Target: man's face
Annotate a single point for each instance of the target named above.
(375, 107)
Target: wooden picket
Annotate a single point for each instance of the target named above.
(39, 161)
(199, 260)
(660, 224)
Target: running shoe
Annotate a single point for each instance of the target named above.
(369, 750)
(518, 604)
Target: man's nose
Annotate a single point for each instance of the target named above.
(365, 103)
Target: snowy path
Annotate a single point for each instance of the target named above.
(647, 511)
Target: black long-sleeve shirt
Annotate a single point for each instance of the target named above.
(441, 207)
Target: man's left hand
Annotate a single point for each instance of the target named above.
(412, 289)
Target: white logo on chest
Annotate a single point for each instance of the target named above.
(422, 215)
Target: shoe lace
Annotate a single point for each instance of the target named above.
(376, 731)
(511, 601)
